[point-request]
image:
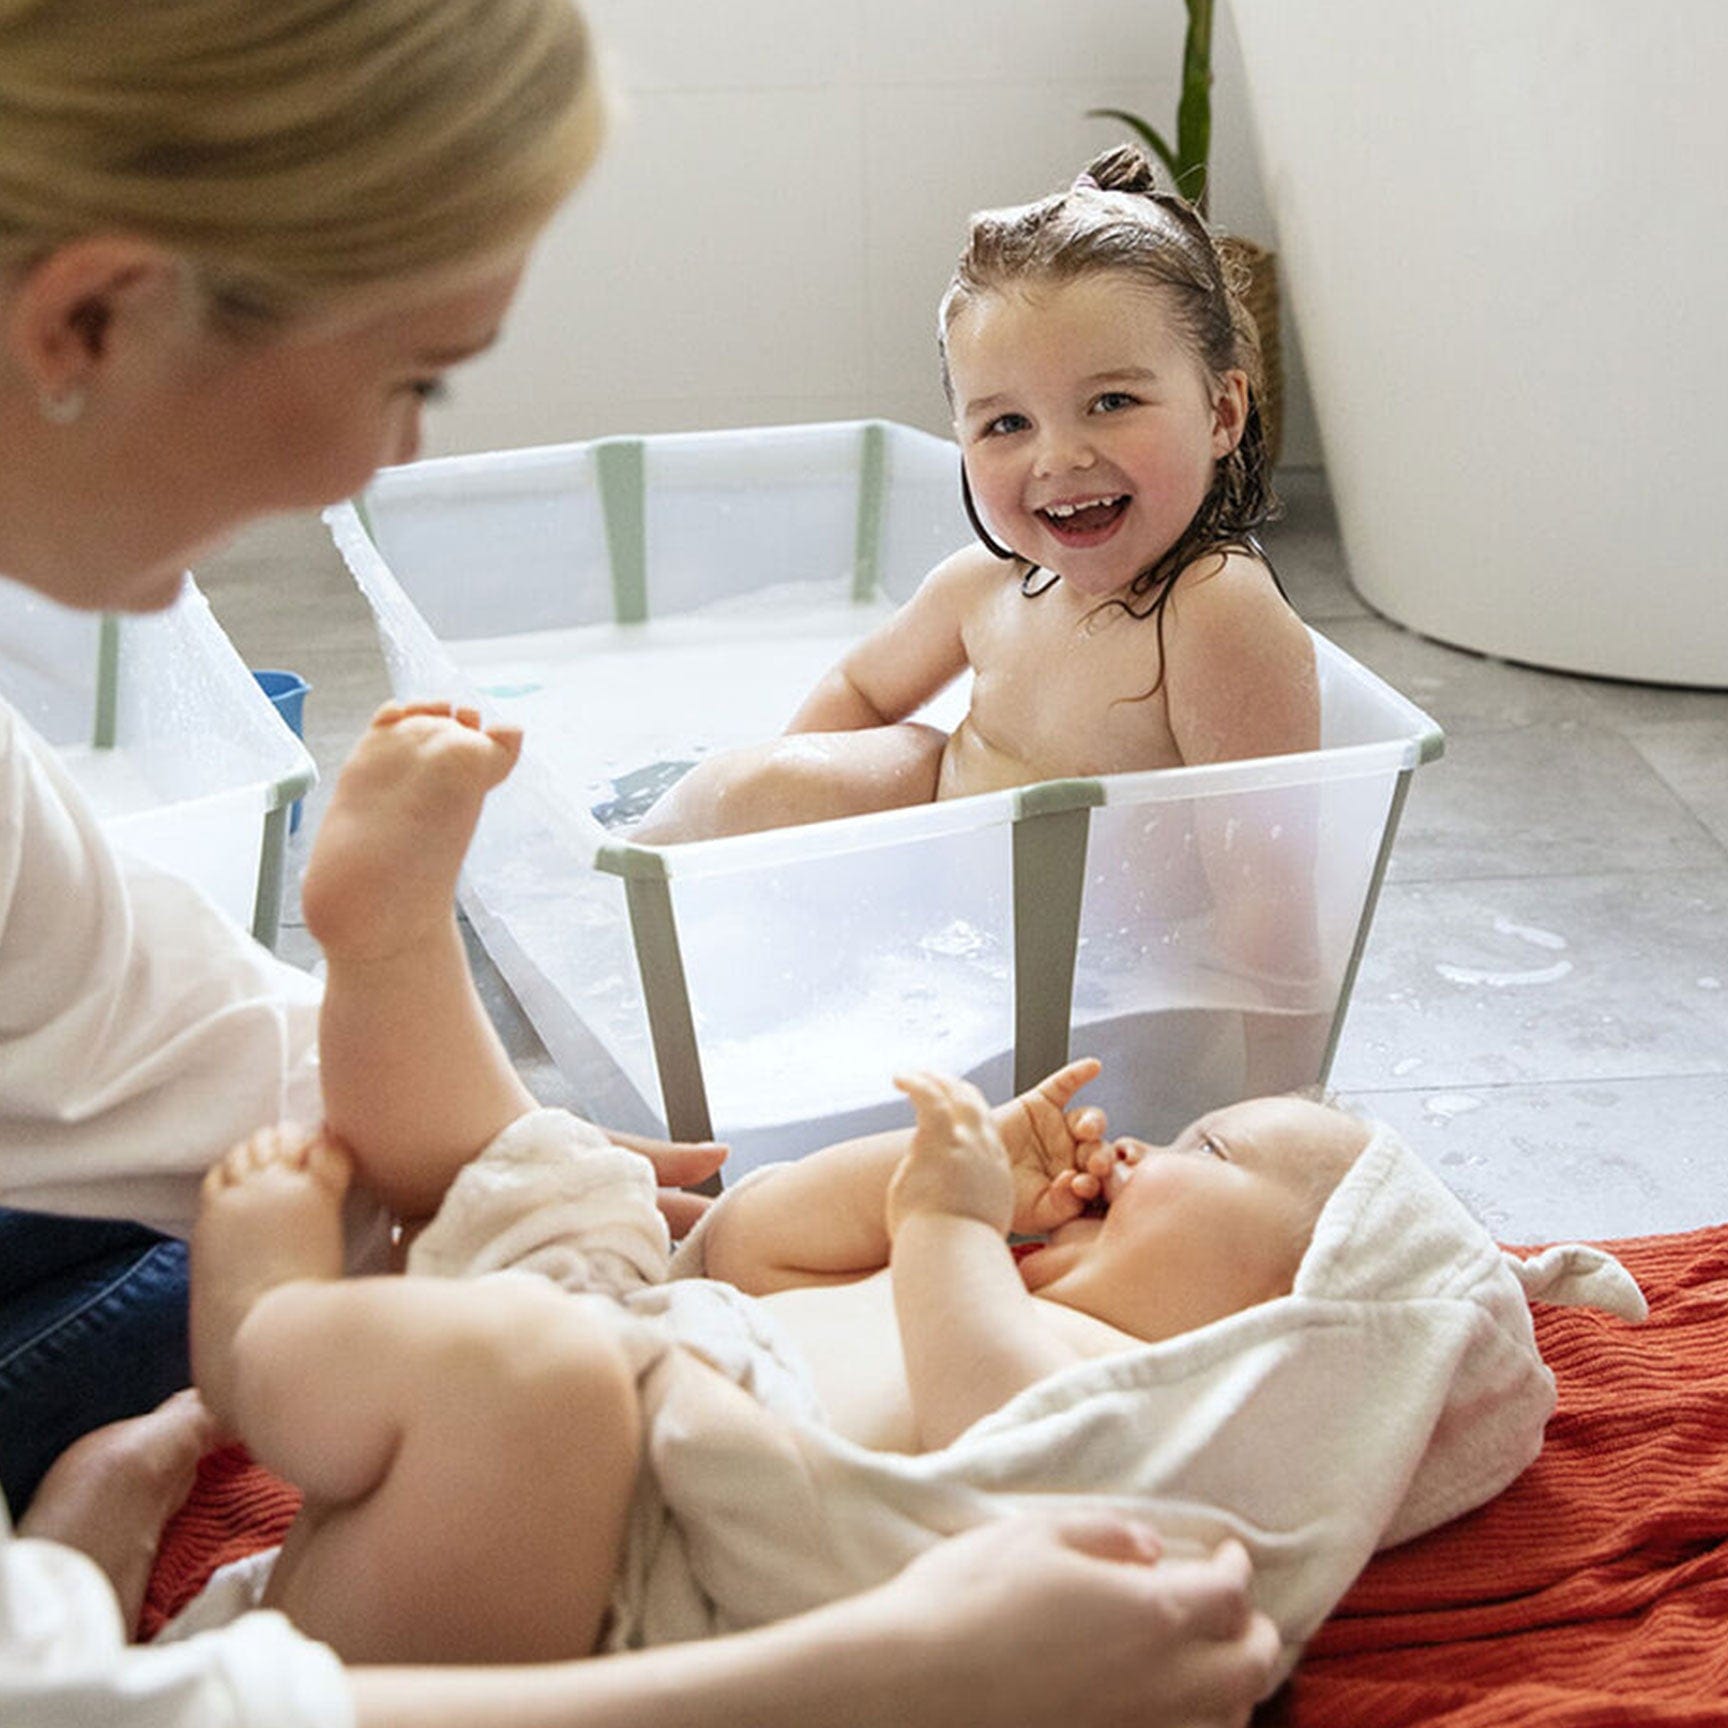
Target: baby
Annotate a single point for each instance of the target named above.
(1118, 614)
(1279, 1329)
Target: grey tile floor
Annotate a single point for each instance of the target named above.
(1543, 1004)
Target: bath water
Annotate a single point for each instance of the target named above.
(673, 689)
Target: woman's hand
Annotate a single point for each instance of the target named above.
(1155, 1643)
(957, 1163)
(677, 1164)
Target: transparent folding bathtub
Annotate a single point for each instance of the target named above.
(638, 603)
(183, 757)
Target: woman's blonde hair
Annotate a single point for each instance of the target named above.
(292, 150)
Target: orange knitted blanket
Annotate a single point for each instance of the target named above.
(1592, 1594)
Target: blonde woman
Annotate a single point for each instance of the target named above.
(240, 246)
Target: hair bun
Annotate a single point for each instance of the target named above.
(1123, 169)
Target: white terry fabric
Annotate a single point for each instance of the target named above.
(65, 1662)
(141, 1032)
(550, 1195)
(1397, 1386)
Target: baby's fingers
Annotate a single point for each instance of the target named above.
(1060, 1087)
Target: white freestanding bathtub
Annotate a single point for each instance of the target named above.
(1501, 227)
(637, 602)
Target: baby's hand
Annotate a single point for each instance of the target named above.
(1059, 1159)
(957, 1163)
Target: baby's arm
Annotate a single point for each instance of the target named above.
(821, 1220)
(969, 1330)
(824, 1219)
(901, 665)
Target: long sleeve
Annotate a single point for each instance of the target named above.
(141, 1032)
(65, 1663)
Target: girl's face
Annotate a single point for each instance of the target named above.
(189, 433)
(1088, 428)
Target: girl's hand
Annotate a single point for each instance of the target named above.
(1059, 1159)
(957, 1163)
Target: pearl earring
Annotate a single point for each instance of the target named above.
(63, 406)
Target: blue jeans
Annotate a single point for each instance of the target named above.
(92, 1328)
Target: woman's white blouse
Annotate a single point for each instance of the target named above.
(141, 1032)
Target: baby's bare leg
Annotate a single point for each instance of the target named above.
(415, 1079)
(798, 778)
(468, 1450)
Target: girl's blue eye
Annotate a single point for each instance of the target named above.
(1113, 401)
(1005, 423)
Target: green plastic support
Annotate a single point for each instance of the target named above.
(671, 1026)
(872, 496)
(620, 467)
(1051, 828)
(267, 907)
(107, 682)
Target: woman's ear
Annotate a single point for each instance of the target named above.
(63, 311)
(1229, 412)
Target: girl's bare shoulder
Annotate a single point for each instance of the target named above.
(973, 571)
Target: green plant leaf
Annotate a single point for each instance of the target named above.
(1148, 134)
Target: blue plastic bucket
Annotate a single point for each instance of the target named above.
(287, 693)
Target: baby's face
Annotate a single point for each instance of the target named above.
(1214, 1222)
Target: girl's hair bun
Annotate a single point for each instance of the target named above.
(1122, 169)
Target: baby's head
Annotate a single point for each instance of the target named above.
(1139, 253)
(1215, 1222)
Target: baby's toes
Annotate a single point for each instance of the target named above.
(328, 1162)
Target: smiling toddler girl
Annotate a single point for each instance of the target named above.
(1118, 613)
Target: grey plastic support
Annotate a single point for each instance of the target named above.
(272, 851)
(671, 1026)
(1050, 834)
(621, 470)
(106, 718)
(1394, 810)
(872, 497)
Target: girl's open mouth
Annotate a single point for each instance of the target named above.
(1084, 524)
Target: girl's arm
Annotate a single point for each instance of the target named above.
(901, 665)
(1242, 682)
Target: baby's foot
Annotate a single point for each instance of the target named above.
(270, 1213)
(382, 876)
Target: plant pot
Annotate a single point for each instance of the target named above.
(1260, 296)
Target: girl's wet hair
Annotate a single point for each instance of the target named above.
(1115, 219)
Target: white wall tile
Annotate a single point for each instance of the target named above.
(727, 44)
(991, 41)
(785, 192)
(933, 155)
